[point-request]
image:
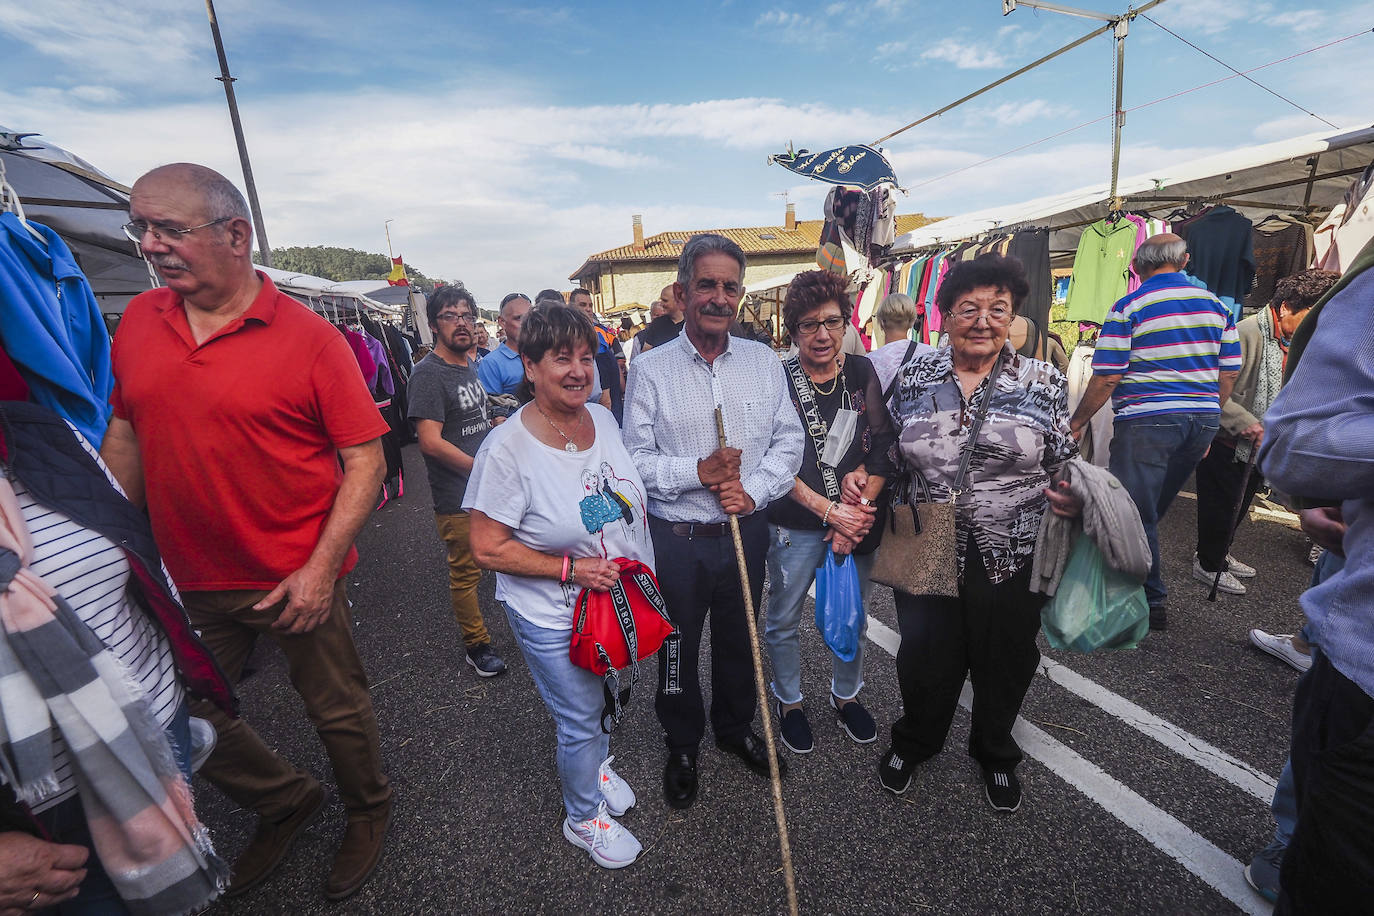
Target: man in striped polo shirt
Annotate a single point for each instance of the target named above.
(1168, 356)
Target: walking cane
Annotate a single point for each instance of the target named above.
(788, 878)
(1235, 518)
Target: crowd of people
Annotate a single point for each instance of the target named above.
(554, 458)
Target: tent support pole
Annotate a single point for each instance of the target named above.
(1119, 31)
(1311, 178)
(264, 249)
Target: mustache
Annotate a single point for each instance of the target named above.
(173, 263)
(720, 311)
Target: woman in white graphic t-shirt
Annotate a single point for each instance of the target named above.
(554, 499)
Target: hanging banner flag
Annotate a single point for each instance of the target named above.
(852, 166)
(397, 277)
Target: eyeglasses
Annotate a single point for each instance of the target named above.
(456, 318)
(811, 325)
(997, 316)
(137, 229)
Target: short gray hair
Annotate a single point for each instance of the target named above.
(706, 243)
(896, 310)
(1151, 256)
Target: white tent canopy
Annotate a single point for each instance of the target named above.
(1308, 172)
(318, 289)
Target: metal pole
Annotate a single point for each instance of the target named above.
(1120, 29)
(264, 249)
(389, 253)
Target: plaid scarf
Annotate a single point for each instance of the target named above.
(53, 670)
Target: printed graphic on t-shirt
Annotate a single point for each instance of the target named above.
(609, 499)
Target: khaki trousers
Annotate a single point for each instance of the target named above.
(463, 576)
(326, 671)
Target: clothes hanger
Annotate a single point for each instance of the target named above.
(9, 200)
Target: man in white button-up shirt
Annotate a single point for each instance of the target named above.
(693, 484)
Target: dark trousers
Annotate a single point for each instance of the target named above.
(1329, 865)
(987, 633)
(326, 671)
(697, 576)
(1218, 485)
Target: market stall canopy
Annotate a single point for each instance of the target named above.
(772, 283)
(317, 289)
(1308, 172)
(85, 207)
(378, 290)
(852, 166)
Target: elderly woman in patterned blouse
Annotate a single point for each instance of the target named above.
(988, 631)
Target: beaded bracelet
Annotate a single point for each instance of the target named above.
(825, 519)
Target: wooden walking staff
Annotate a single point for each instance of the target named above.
(788, 877)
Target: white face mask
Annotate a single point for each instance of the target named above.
(842, 430)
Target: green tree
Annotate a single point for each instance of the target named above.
(333, 263)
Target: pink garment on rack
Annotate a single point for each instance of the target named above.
(934, 320)
(365, 360)
(1141, 234)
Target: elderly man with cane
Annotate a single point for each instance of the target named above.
(695, 485)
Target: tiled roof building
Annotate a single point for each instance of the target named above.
(635, 273)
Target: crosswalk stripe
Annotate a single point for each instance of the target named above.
(1162, 830)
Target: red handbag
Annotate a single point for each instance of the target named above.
(615, 630)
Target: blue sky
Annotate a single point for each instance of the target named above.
(508, 141)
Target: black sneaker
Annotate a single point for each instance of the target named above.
(795, 730)
(894, 772)
(855, 721)
(1003, 789)
(1159, 617)
(485, 661)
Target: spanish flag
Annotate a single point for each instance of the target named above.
(397, 277)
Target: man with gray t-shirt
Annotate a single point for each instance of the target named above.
(449, 407)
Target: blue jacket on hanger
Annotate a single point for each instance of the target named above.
(52, 329)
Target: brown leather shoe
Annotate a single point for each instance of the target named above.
(272, 842)
(359, 852)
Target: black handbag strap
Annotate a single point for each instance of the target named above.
(816, 426)
(977, 427)
(897, 376)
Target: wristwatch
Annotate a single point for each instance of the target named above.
(865, 501)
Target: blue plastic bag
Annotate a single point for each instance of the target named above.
(1096, 606)
(839, 605)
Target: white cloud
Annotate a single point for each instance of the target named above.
(503, 196)
(1013, 114)
(964, 56)
(603, 156)
(790, 27)
(123, 38)
(1297, 20)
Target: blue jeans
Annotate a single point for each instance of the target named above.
(1152, 457)
(575, 699)
(66, 823)
(793, 556)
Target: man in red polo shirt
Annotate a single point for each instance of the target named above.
(233, 404)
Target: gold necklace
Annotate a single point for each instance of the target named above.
(834, 380)
(571, 446)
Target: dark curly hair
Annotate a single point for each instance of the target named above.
(1301, 291)
(811, 289)
(445, 296)
(995, 270)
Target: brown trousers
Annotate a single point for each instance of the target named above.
(326, 671)
(463, 576)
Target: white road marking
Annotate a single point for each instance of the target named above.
(1216, 761)
(1164, 831)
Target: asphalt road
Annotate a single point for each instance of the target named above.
(1115, 820)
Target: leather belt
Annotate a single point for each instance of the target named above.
(700, 529)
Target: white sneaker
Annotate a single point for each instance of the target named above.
(1228, 583)
(616, 791)
(203, 741)
(610, 845)
(1280, 645)
(1238, 569)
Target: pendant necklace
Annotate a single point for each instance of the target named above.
(571, 446)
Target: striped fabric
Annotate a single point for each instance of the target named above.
(55, 671)
(1168, 340)
(91, 572)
